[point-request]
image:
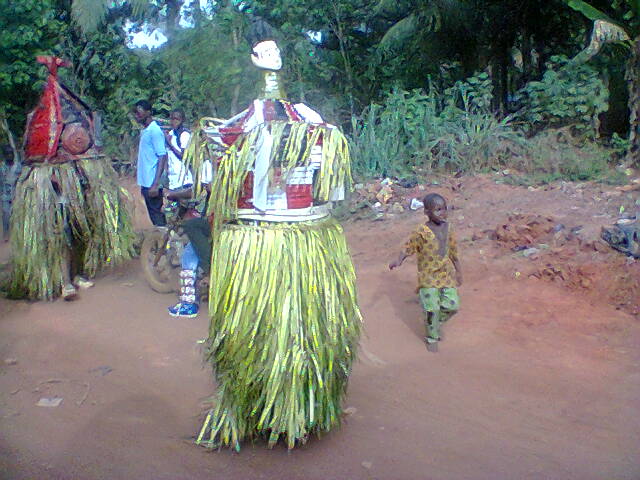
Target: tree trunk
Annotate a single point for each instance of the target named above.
(235, 35)
(302, 95)
(633, 81)
(17, 158)
(500, 79)
(173, 16)
(527, 66)
(339, 32)
(235, 100)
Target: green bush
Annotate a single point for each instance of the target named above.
(474, 93)
(377, 145)
(556, 155)
(471, 142)
(417, 132)
(420, 132)
(569, 94)
(385, 137)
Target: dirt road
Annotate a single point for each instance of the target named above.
(532, 380)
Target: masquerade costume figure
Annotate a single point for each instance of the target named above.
(284, 316)
(67, 200)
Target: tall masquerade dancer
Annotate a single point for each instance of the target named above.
(68, 211)
(285, 322)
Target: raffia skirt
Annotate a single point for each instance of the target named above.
(284, 331)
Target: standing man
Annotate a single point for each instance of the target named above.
(152, 161)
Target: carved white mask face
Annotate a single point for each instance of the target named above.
(267, 55)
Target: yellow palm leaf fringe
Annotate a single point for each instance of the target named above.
(283, 334)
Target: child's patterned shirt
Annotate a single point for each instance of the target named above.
(434, 271)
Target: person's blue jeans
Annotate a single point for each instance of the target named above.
(189, 258)
(198, 231)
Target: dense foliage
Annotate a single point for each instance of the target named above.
(27, 28)
(454, 84)
(568, 94)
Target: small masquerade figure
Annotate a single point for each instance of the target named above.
(68, 219)
(285, 322)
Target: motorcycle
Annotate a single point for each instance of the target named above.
(162, 247)
(162, 250)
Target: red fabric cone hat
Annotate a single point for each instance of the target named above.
(60, 128)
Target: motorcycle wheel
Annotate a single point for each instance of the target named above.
(163, 277)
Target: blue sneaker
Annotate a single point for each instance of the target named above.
(184, 310)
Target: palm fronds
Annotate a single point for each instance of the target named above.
(589, 11)
(89, 14)
(112, 238)
(603, 32)
(87, 215)
(284, 331)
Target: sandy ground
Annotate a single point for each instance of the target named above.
(532, 381)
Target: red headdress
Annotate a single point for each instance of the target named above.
(61, 128)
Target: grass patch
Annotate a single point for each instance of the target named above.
(417, 133)
(554, 155)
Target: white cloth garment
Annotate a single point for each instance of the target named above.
(178, 174)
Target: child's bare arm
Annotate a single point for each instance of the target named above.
(453, 255)
(456, 265)
(397, 262)
(411, 247)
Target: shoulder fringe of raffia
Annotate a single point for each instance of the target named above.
(292, 145)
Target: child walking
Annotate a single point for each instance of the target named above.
(438, 267)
